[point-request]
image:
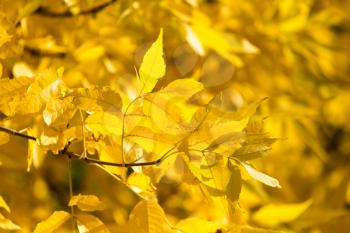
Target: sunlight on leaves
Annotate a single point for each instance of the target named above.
(153, 65)
(52, 223)
(86, 202)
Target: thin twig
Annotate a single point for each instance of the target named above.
(16, 133)
(38, 52)
(87, 159)
(71, 191)
(45, 12)
(97, 161)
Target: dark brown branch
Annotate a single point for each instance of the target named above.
(16, 133)
(39, 52)
(87, 159)
(45, 12)
(90, 160)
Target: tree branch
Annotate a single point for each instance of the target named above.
(16, 133)
(38, 52)
(87, 159)
(45, 12)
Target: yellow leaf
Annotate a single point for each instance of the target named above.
(104, 123)
(97, 99)
(148, 217)
(262, 177)
(214, 39)
(28, 9)
(169, 109)
(221, 131)
(234, 185)
(35, 152)
(12, 87)
(52, 223)
(86, 202)
(91, 224)
(194, 42)
(182, 88)
(47, 84)
(249, 229)
(28, 95)
(4, 205)
(47, 44)
(255, 146)
(272, 215)
(153, 65)
(140, 183)
(7, 224)
(220, 177)
(152, 142)
(89, 52)
(111, 152)
(196, 225)
(4, 138)
(58, 111)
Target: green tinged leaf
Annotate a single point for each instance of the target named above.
(153, 65)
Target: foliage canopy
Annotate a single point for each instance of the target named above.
(175, 105)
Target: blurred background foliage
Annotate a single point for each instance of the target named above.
(296, 53)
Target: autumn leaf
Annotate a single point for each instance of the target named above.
(86, 202)
(196, 225)
(153, 65)
(91, 224)
(148, 217)
(181, 130)
(97, 99)
(104, 123)
(58, 111)
(141, 184)
(272, 215)
(52, 223)
(4, 205)
(12, 87)
(262, 177)
(89, 52)
(7, 224)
